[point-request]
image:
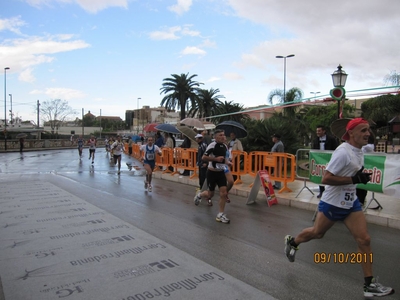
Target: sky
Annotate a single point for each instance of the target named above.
(103, 55)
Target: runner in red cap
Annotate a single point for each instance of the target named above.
(340, 203)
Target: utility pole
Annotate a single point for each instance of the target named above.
(11, 113)
(83, 130)
(37, 123)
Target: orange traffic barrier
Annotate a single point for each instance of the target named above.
(185, 158)
(165, 160)
(239, 165)
(280, 166)
(136, 151)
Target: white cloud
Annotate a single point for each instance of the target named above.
(26, 75)
(24, 53)
(186, 31)
(181, 6)
(193, 50)
(233, 76)
(91, 6)
(173, 33)
(59, 93)
(213, 79)
(166, 34)
(12, 24)
(356, 34)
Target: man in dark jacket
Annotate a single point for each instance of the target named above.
(323, 142)
(200, 162)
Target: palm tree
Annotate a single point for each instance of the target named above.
(292, 95)
(207, 103)
(179, 89)
(229, 111)
(393, 79)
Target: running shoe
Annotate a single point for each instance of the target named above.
(197, 199)
(119, 172)
(227, 199)
(92, 161)
(221, 217)
(150, 188)
(376, 289)
(146, 184)
(209, 202)
(290, 251)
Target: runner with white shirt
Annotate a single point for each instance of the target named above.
(117, 149)
(340, 203)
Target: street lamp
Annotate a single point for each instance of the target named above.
(338, 93)
(315, 94)
(284, 74)
(137, 116)
(11, 114)
(100, 123)
(5, 108)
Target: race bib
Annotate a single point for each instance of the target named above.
(223, 167)
(347, 197)
(150, 156)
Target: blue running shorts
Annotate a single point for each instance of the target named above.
(335, 213)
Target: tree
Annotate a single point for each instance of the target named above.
(292, 95)
(207, 102)
(381, 109)
(229, 111)
(393, 78)
(179, 89)
(260, 133)
(55, 112)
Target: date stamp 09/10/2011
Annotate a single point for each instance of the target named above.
(342, 258)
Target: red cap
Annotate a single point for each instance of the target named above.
(351, 125)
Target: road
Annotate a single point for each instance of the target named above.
(250, 248)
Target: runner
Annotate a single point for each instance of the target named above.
(218, 157)
(148, 155)
(80, 143)
(339, 203)
(117, 149)
(107, 145)
(92, 147)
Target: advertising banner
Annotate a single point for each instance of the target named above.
(385, 169)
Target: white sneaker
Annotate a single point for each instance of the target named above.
(221, 217)
(376, 289)
(150, 188)
(197, 199)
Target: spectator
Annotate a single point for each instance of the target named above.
(323, 142)
(277, 147)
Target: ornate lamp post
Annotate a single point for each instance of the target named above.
(338, 93)
(284, 74)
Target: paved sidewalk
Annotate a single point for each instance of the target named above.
(302, 197)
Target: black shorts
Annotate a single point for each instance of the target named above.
(92, 151)
(117, 156)
(215, 178)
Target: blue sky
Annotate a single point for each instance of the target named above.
(105, 54)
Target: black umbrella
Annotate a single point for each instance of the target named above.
(232, 126)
